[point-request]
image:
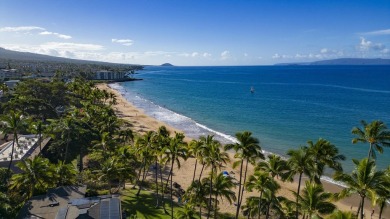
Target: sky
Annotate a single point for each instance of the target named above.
(198, 32)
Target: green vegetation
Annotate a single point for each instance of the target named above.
(90, 145)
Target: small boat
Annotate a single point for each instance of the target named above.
(252, 90)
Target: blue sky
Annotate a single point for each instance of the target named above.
(198, 32)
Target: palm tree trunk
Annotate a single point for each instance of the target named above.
(201, 172)
(66, 149)
(381, 209)
(370, 152)
(362, 209)
(162, 190)
(358, 211)
(299, 188)
(239, 191)
(140, 185)
(242, 191)
(12, 157)
(215, 205)
(196, 162)
(268, 207)
(40, 142)
(211, 191)
(261, 196)
(173, 161)
(139, 176)
(157, 203)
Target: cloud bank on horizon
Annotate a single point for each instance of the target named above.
(183, 37)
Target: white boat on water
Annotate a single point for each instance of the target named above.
(252, 89)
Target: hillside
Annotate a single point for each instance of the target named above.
(6, 54)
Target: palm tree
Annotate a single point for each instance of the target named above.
(13, 122)
(187, 212)
(314, 201)
(324, 154)
(375, 133)
(221, 188)
(37, 128)
(206, 143)
(109, 171)
(261, 182)
(176, 149)
(66, 173)
(341, 215)
(247, 148)
(214, 157)
(275, 166)
(364, 180)
(143, 147)
(37, 176)
(300, 162)
(161, 140)
(196, 195)
(196, 147)
(383, 193)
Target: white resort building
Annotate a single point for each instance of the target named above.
(109, 75)
(25, 148)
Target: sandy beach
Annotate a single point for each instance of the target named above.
(142, 123)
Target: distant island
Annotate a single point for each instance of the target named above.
(344, 61)
(167, 64)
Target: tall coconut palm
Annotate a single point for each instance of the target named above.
(261, 182)
(143, 149)
(314, 202)
(196, 148)
(187, 212)
(221, 188)
(205, 142)
(176, 150)
(109, 171)
(37, 176)
(300, 162)
(384, 193)
(66, 173)
(364, 180)
(275, 166)
(196, 195)
(374, 133)
(161, 140)
(247, 149)
(13, 122)
(324, 154)
(215, 158)
(37, 128)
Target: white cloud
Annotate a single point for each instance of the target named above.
(206, 55)
(27, 29)
(72, 46)
(125, 42)
(366, 46)
(246, 54)
(20, 29)
(63, 36)
(194, 54)
(225, 55)
(378, 32)
(276, 56)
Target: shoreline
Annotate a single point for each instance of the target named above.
(141, 123)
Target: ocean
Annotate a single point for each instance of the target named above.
(290, 105)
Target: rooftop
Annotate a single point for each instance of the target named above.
(25, 144)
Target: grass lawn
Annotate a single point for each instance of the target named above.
(144, 206)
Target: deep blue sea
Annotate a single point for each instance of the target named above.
(290, 105)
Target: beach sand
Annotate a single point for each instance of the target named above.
(142, 123)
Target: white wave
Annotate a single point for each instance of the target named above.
(229, 137)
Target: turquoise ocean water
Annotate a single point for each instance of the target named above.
(290, 105)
